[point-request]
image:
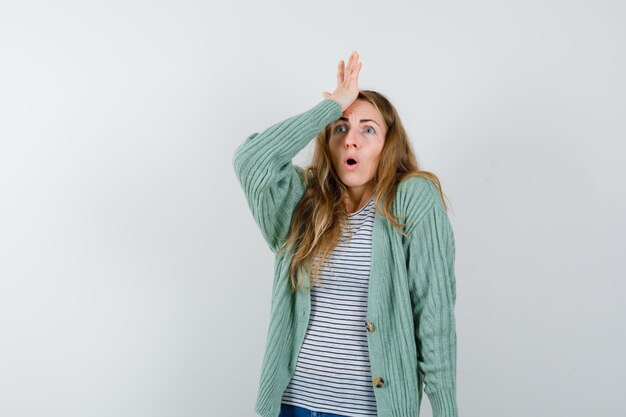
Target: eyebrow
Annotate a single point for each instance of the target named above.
(362, 120)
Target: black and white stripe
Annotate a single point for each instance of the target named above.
(333, 373)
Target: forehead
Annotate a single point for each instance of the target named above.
(361, 109)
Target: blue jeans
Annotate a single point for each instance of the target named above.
(288, 410)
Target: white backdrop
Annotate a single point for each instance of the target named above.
(133, 279)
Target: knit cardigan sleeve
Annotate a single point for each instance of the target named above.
(433, 295)
(272, 185)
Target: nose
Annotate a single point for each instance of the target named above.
(352, 138)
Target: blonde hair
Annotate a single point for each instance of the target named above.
(318, 220)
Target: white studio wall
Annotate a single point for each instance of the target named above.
(133, 279)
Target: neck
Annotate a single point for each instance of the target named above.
(357, 197)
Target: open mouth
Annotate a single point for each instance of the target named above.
(350, 164)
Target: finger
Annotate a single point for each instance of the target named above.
(354, 61)
(340, 72)
(354, 76)
(346, 75)
(356, 70)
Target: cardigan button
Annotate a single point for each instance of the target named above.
(369, 325)
(378, 382)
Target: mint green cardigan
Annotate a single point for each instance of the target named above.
(412, 290)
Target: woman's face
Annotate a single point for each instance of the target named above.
(359, 134)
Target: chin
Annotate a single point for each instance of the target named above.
(351, 179)
(353, 182)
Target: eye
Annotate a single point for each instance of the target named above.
(338, 126)
(369, 127)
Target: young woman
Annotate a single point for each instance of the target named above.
(362, 314)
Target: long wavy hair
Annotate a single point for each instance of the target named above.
(320, 217)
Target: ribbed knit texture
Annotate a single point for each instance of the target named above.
(411, 294)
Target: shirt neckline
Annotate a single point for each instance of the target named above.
(362, 208)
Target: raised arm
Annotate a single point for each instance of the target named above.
(272, 185)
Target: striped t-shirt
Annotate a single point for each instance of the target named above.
(333, 373)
